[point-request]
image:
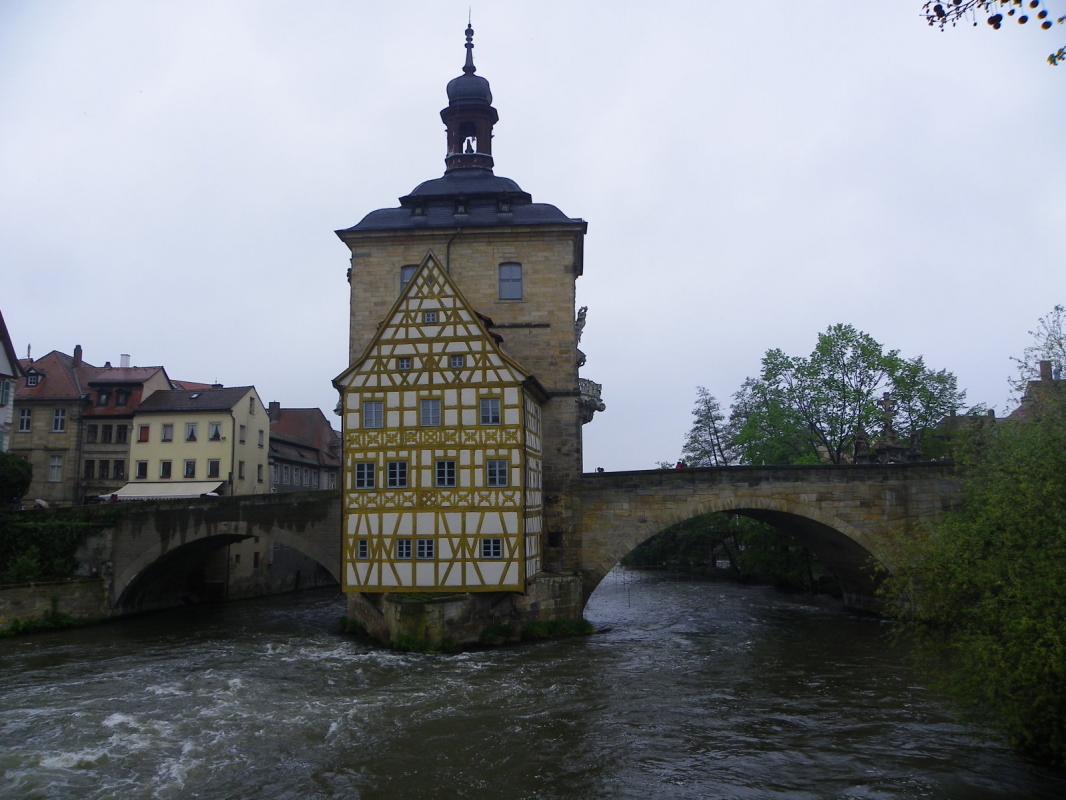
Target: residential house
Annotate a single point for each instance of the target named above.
(191, 442)
(304, 450)
(10, 372)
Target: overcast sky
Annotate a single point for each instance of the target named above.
(171, 175)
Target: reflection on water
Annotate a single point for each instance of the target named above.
(697, 690)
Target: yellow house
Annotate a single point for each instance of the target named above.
(442, 451)
(186, 443)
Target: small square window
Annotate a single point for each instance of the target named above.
(121, 397)
(373, 414)
(33, 379)
(362, 549)
(364, 475)
(490, 411)
(403, 549)
(429, 412)
(190, 468)
(496, 472)
(445, 473)
(457, 361)
(424, 549)
(429, 317)
(492, 548)
(397, 475)
(102, 398)
(403, 363)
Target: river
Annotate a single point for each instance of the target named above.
(696, 689)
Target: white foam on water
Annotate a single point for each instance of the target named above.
(119, 718)
(74, 759)
(166, 690)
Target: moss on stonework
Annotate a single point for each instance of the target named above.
(52, 621)
(556, 629)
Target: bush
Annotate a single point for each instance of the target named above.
(15, 477)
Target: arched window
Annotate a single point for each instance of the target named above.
(510, 281)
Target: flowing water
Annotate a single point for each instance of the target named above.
(697, 690)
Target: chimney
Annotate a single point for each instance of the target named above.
(1045, 370)
(77, 355)
(217, 386)
(991, 413)
(124, 360)
(274, 410)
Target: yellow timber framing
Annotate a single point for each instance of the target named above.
(456, 519)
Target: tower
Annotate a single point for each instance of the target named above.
(462, 296)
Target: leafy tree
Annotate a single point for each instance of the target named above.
(811, 409)
(988, 584)
(706, 444)
(1049, 344)
(15, 477)
(943, 13)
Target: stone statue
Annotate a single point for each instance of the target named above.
(579, 323)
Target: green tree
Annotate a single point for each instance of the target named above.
(706, 444)
(1048, 344)
(807, 409)
(15, 477)
(944, 13)
(988, 584)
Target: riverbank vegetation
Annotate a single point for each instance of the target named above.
(986, 587)
(41, 546)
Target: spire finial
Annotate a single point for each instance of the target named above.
(468, 67)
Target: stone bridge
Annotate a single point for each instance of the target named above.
(849, 516)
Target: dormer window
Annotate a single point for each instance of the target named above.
(121, 397)
(418, 211)
(33, 379)
(505, 206)
(102, 398)
(460, 207)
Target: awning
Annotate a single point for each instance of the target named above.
(171, 490)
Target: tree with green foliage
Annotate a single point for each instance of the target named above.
(706, 444)
(15, 477)
(1048, 344)
(988, 583)
(944, 13)
(811, 409)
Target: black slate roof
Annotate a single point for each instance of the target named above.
(199, 400)
(464, 198)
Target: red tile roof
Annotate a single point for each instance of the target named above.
(307, 428)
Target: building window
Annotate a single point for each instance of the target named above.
(457, 361)
(59, 420)
(214, 431)
(261, 438)
(403, 549)
(492, 548)
(164, 470)
(102, 398)
(490, 411)
(397, 475)
(331, 481)
(243, 434)
(121, 434)
(424, 549)
(240, 470)
(105, 433)
(407, 271)
(168, 433)
(429, 412)
(90, 433)
(104, 470)
(429, 317)
(142, 433)
(364, 475)
(5, 392)
(122, 397)
(89, 470)
(373, 414)
(362, 549)
(255, 560)
(55, 469)
(32, 379)
(142, 470)
(119, 469)
(25, 419)
(213, 465)
(251, 406)
(259, 473)
(496, 472)
(510, 281)
(285, 473)
(190, 431)
(403, 363)
(274, 473)
(445, 473)
(190, 468)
